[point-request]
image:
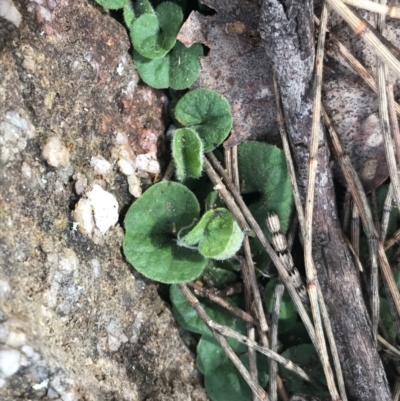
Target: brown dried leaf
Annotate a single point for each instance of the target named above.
(238, 68)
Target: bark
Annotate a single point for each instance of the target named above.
(288, 36)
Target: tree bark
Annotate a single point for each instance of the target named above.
(287, 32)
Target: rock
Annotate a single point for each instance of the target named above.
(55, 153)
(76, 322)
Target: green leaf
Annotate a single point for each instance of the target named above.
(220, 277)
(112, 4)
(151, 225)
(264, 174)
(153, 34)
(288, 313)
(129, 14)
(209, 354)
(213, 201)
(178, 69)
(206, 112)
(225, 383)
(188, 318)
(306, 357)
(218, 235)
(187, 151)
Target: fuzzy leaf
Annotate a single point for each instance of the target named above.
(153, 34)
(218, 275)
(177, 70)
(225, 383)
(188, 318)
(206, 112)
(264, 174)
(112, 4)
(306, 357)
(187, 151)
(129, 14)
(151, 225)
(218, 235)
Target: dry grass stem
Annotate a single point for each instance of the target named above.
(169, 172)
(195, 304)
(273, 366)
(360, 198)
(355, 230)
(396, 391)
(390, 11)
(226, 331)
(362, 29)
(312, 280)
(229, 198)
(389, 348)
(231, 164)
(209, 294)
(300, 216)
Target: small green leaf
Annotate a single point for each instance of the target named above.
(225, 383)
(112, 4)
(178, 69)
(188, 318)
(151, 225)
(219, 277)
(264, 174)
(306, 357)
(213, 201)
(206, 112)
(218, 235)
(209, 354)
(187, 151)
(153, 34)
(129, 14)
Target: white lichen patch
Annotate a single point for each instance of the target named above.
(9, 12)
(55, 152)
(10, 361)
(135, 167)
(100, 165)
(15, 130)
(96, 212)
(116, 336)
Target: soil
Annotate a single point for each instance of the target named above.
(76, 322)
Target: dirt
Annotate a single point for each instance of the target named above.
(76, 322)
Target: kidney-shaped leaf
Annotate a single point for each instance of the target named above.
(224, 382)
(178, 69)
(264, 174)
(206, 112)
(218, 235)
(151, 225)
(153, 34)
(112, 4)
(188, 318)
(187, 151)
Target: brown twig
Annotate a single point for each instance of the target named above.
(366, 33)
(273, 366)
(206, 293)
(193, 301)
(390, 11)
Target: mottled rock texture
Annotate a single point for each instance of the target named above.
(76, 323)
